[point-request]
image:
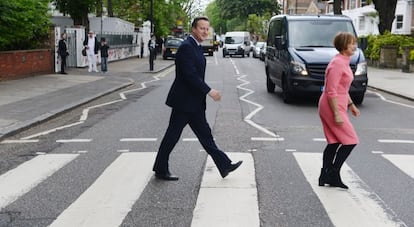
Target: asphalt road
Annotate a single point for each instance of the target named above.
(94, 181)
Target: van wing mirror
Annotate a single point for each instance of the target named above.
(279, 42)
(363, 43)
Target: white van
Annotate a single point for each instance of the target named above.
(236, 43)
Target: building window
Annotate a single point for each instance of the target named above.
(399, 21)
(361, 24)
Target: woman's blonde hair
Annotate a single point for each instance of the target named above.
(343, 39)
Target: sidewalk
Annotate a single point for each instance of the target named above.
(393, 81)
(27, 101)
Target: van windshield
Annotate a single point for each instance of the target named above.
(316, 33)
(233, 40)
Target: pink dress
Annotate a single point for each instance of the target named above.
(338, 79)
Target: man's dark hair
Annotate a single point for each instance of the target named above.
(195, 21)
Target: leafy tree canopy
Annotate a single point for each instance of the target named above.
(24, 24)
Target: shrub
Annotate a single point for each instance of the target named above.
(375, 42)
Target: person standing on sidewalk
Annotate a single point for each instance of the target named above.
(92, 47)
(63, 52)
(333, 105)
(151, 47)
(187, 98)
(104, 55)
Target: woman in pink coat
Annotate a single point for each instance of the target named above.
(333, 105)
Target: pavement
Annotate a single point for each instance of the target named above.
(28, 101)
(25, 102)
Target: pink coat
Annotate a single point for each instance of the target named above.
(338, 79)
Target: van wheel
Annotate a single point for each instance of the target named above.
(358, 99)
(270, 85)
(242, 55)
(286, 95)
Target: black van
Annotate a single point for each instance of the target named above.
(299, 49)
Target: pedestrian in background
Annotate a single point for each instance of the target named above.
(333, 106)
(104, 55)
(92, 47)
(187, 98)
(63, 52)
(151, 47)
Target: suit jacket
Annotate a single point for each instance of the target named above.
(97, 44)
(188, 91)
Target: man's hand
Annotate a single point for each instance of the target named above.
(215, 95)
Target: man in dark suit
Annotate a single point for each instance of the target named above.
(187, 97)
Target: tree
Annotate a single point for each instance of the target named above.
(24, 24)
(77, 9)
(242, 8)
(386, 12)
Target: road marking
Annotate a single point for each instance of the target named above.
(109, 199)
(319, 139)
(28, 175)
(231, 201)
(138, 139)
(357, 206)
(403, 162)
(190, 139)
(74, 141)
(85, 112)
(123, 151)
(19, 141)
(377, 152)
(267, 139)
(386, 100)
(395, 141)
(290, 150)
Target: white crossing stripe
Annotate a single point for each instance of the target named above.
(231, 201)
(395, 141)
(353, 207)
(404, 162)
(26, 176)
(109, 199)
(74, 141)
(18, 141)
(138, 139)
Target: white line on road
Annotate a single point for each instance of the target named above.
(403, 162)
(357, 206)
(386, 100)
(74, 141)
(395, 141)
(19, 141)
(319, 139)
(377, 152)
(85, 112)
(109, 199)
(267, 139)
(26, 176)
(231, 201)
(138, 139)
(123, 150)
(190, 139)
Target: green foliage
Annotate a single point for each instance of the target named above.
(243, 8)
(375, 42)
(24, 24)
(77, 9)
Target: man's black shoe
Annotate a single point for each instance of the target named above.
(166, 176)
(231, 168)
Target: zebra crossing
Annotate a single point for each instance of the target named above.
(232, 201)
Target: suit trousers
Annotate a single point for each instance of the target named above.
(198, 123)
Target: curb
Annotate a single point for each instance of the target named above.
(391, 93)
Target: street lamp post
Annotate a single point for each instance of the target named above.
(151, 15)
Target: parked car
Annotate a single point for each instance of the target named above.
(256, 50)
(299, 49)
(170, 47)
(262, 54)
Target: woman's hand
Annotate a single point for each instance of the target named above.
(338, 119)
(354, 110)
